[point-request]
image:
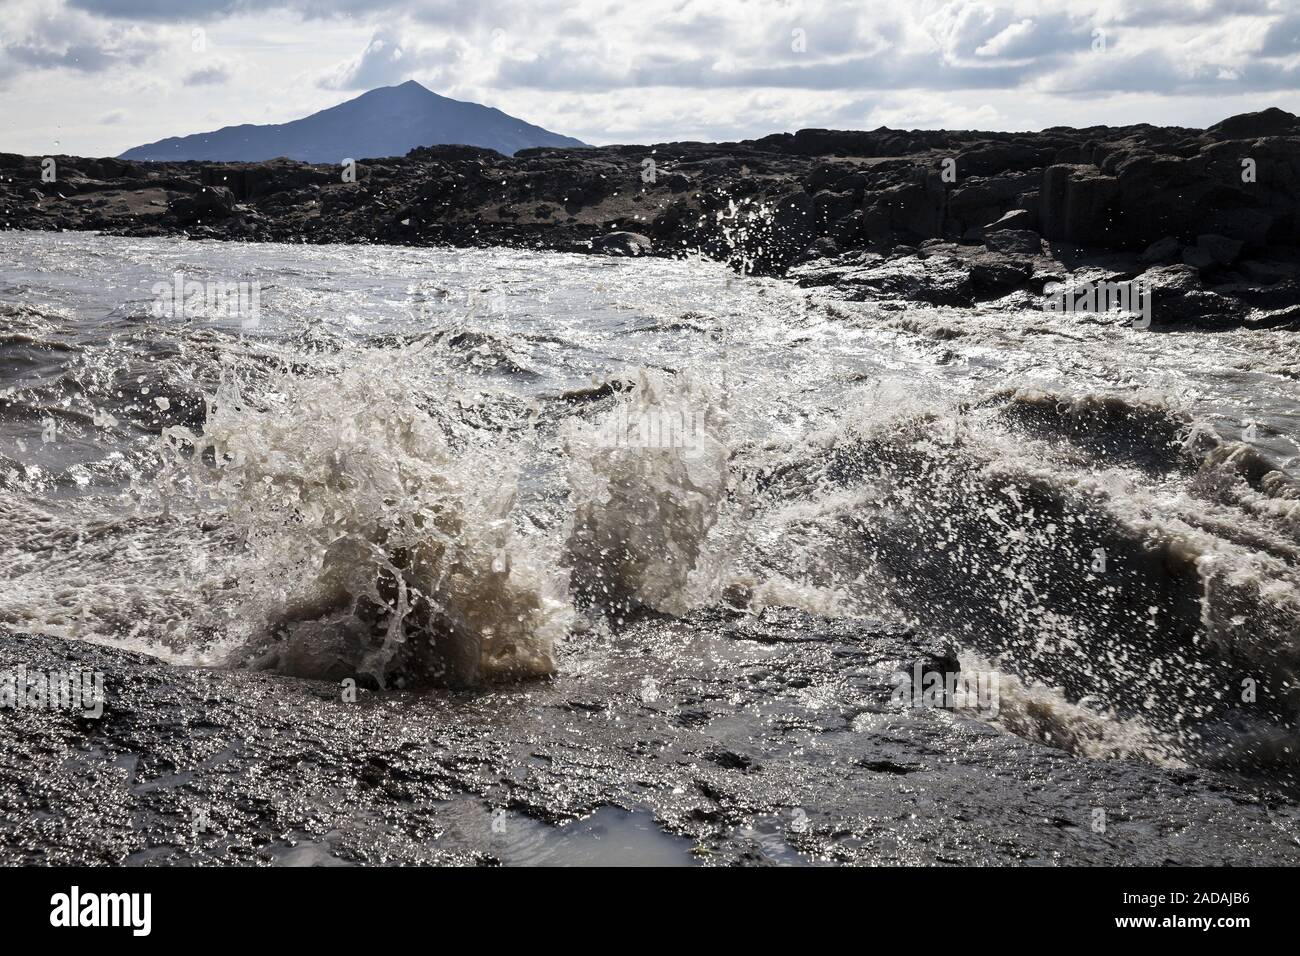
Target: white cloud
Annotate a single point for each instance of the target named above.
(391, 58)
(660, 69)
(1008, 39)
(213, 74)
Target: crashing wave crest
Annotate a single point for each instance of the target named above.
(374, 547)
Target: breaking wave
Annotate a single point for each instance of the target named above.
(376, 546)
(1099, 548)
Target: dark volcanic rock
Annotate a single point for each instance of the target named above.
(1269, 122)
(210, 202)
(1022, 241)
(998, 274)
(723, 727)
(1163, 251)
(1014, 219)
(1178, 297)
(1079, 204)
(622, 244)
(1165, 196)
(761, 205)
(936, 280)
(974, 203)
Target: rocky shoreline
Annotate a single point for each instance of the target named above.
(1209, 219)
(768, 739)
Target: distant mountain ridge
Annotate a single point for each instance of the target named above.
(388, 121)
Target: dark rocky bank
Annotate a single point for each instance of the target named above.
(1210, 218)
(746, 740)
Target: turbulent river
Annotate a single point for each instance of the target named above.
(420, 467)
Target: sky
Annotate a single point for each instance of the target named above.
(96, 77)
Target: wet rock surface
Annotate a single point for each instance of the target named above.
(726, 738)
(622, 244)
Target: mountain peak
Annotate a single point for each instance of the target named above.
(410, 86)
(386, 121)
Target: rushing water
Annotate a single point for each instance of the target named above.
(425, 466)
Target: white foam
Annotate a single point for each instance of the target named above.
(372, 543)
(643, 510)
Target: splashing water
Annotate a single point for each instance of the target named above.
(375, 546)
(385, 479)
(647, 484)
